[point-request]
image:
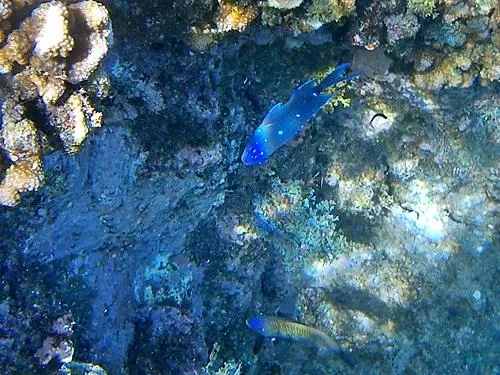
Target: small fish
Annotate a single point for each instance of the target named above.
(285, 121)
(270, 326)
(380, 114)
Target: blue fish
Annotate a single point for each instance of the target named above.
(285, 121)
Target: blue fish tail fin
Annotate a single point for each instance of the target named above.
(335, 77)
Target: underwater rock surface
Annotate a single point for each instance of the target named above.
(147, 251)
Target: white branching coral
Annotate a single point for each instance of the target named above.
(284, 4)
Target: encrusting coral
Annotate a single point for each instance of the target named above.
(327, 11)
(457, 54)
(56, 45)
(423, 8)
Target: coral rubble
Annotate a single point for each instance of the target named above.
(47, 59)
(58, 344)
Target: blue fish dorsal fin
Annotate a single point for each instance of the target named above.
(269, 114)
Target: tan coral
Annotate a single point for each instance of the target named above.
(73, 120)
(24, 176)
(95, 18)
(12, 112)
(5, 13)
(31, 84)
(95, 15)
(18, 47)
(56, 44)
(46, 30)
(490, 64)
(234, 17)
(451, 72)
(460, 68)
(5, 9)
(52, 37)
(326, 11)
(20, 139)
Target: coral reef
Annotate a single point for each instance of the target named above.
(423, 8)
(317, 14)
(166, 282)
(326, 11)
(400, 27)
(380, 229)
(236, 17)
(79, 368)
(52, 348)
(284, 4)
(58, 46)
(302, 227)
(367, 30)
(462, 45)
(58, 344)
(216, 367)
(365, 195)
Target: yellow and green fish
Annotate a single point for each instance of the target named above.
(270, 326)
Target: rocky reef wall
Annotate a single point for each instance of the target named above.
(144, 245)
